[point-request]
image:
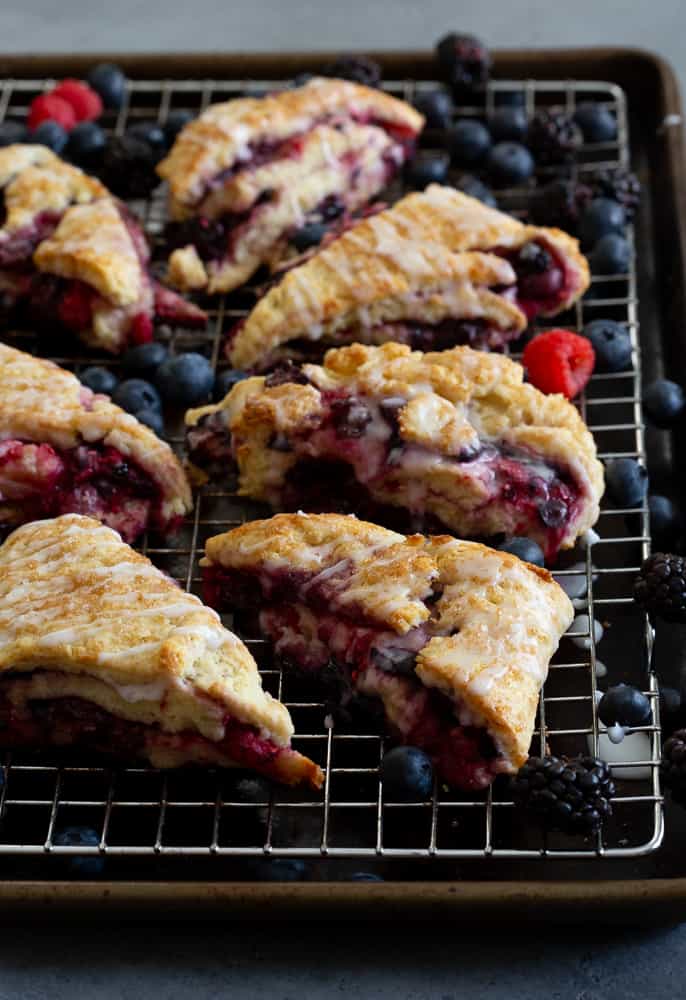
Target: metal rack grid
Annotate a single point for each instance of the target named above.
(140, 811)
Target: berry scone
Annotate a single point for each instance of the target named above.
(72, 255)
(453, 440)
(249, 172)
(101, 650)
(451, 638)
(64, 449)
(436, 270)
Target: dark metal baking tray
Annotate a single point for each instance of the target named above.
(427, 885)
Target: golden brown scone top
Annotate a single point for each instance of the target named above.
(222, 134)
(92, 243)
(35, 180)
(425, 242)
(497, 620)
(41, 402)
(76, 599)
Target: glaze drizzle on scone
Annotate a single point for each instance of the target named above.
(453, 440)
(100, 649)
(254, 169)
(452, 638)
(436, 270)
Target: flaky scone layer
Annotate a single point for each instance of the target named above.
(221, 137)
(424, 245)
(498, 620)
(41, 402)
(76, 601)
(447, 401)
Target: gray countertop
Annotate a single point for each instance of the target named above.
(302, 961)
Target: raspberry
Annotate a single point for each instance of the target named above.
(50, 106)
(86, 104)
(74, 309)
(559, 361)
(141, 330)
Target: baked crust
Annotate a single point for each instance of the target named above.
(221, 136)
(41, 402)
(499, 619)
(34, 180)
(419, 246)
(93, 245)
(75, 600)
(488, 401)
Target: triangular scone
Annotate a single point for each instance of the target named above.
(454, 639)
(453, 440)
(100, 649)
(406, 275)
(72, 255)
(64, 449)
(254, 170)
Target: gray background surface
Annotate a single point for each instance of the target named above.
(381, 961)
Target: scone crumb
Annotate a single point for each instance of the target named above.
(186, 271)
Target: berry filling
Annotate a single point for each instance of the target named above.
(38, 481)
(17, 248)
(544, 282)
(325, 637)
(75, 722)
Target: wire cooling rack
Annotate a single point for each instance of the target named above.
(143, 812)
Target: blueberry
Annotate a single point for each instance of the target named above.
(626, 482)
(50, 134)
(611, 343)
(407, 773)
(670, 710)
(11, 132)
(225, 381)
(624, 705)
(85, 866)
(510, 163)
(308, 236)
(86, 144)
(277, 869)
(108, 81)
(476, 188)
(176, 120)
(436, 106)
(99, 380)
(469, 142)
(509, 99)
(664, 402)
(600, 218)
(185, 380)
(610, 255)
(299, 80)
(135, 395)
(144, 359)
(365, 877)
(508, 123)
(152, 418)
(597, 123)
(665, 523)
(524, 548)
(149, 132)
(427, 168)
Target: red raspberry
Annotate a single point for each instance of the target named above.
(141, 329)
(559, 361)
(75, 310)
(50, 106)
(85, 102)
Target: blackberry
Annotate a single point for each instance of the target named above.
(553, 137)
(569, 795)
(619, 185)
(465, 62)
(560, 203)
(208, 236)
(660, 587)
(673, 766)
(128, 167)
(358, 68)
